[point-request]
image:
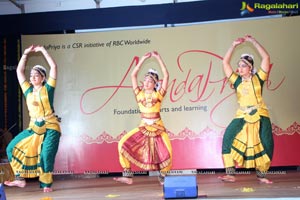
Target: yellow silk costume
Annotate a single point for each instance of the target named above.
(248, 140)
(32, 152)
(147, 146)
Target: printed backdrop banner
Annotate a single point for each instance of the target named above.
(95, 100)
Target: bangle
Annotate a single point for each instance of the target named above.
(24, 56)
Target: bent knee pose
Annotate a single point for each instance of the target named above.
(147, 146)
(32, 152)
(248, 140)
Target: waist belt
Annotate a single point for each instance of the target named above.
(44, 118)
(154, 115)
(249, 109)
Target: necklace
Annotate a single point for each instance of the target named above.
(246, 84)
(148, 99)
(36, 94)
(246, 78)
(246, 87)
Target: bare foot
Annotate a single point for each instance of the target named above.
(227, 178)
(126, 180)
(47, 189)
(161, 180)
(17, 183)
(264, 180)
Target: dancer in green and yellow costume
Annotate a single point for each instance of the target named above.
(248, 140)
(32, 152)
(147, 146)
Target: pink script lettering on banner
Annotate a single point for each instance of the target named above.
(202, 86)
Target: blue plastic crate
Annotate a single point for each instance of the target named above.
(2, 193)
(180, 187)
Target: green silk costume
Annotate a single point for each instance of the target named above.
(32, 152)
(248, 140)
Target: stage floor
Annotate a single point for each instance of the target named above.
(286, 185)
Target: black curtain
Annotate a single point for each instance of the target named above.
(10, 92)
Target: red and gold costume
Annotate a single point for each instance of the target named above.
(147, 146)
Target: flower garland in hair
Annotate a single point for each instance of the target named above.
(42, 70)
(154, 74)
(153, 71)
(253, 70)
(249, 55)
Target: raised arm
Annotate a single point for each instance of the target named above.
(49, 59)
(227, 58)
(136, 70)
(22, 64)
(164, 70)
(265, 62)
